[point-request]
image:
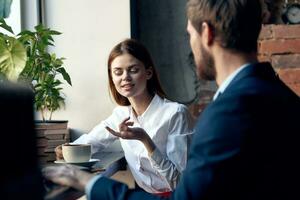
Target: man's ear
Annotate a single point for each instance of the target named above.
(207, 34)
(149, 73)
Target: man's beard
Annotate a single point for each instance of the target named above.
(206, 67)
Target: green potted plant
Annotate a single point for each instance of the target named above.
(25, 58)
(42, 70)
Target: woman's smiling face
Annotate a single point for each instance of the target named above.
(130, 76)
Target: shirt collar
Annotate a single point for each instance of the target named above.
(228, 80)
(151, 107)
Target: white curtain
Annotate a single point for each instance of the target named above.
(5, 8)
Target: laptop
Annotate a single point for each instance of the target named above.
(20, 176)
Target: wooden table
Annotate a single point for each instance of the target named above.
(110, 163)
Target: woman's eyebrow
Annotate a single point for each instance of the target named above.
(116, 67)
(128, 67)
(133, 65)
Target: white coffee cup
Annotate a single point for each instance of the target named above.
(76, 153)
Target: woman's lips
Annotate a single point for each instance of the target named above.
(127, 86)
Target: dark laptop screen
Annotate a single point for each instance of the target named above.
(20, 176)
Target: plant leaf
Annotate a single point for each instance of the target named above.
(52, 32)
(13, 57)
(5, 26)
(65, 75)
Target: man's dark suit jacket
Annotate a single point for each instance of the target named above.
(246, 145)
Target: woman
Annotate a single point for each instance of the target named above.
(154, 132)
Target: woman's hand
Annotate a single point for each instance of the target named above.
(125, 132)
(134, 133)
(58, 152)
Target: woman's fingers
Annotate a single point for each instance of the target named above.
(124, 124)
(129, 123)
(126, 132)
(123, 134)
(115, 133)
(58, 152)
(125, 120)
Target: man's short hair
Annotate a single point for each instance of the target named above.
(236, 23)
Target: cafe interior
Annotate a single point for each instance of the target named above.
(81, 35)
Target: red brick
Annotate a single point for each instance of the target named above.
(279, 46)
(286, 61)
(290, 76)
(286, 31)
(266, 32)
(295, 87)
(264, 58)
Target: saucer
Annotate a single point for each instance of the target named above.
(87, 164)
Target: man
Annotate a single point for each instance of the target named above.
(246, 140)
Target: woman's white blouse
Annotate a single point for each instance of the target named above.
(169, 124)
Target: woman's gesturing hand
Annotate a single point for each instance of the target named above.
(133, 133)
(130, 133)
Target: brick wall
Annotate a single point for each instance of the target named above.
(278, 44)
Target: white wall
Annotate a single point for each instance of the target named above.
(29, 14)
(14, 18)
(90, 29)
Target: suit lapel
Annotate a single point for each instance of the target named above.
(259, 70)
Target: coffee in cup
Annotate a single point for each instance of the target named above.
(76, 153)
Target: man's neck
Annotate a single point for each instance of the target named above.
(227, 62)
